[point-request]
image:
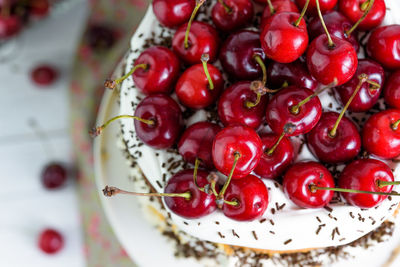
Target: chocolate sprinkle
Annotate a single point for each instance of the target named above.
(255, 235)
(287, 241)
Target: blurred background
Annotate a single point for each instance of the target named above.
(54, 57)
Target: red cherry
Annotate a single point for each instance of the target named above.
(39, 8)
(54, 176)
(193, 90)
(196, 143)
(381, 134)
(51, 241)
(326, 62)
(344, 146)
(384, 46)
(203, 39)
(363, 174)
(231, 15)
(251, 196)
(233, 106)
(299, 178)
(236, 140)
(9, 26)
(354, 10)
(392, 90)
(282, 40)
(100, 36)
(279, 6)
(173, 13)
(44, 75)
(325, 5)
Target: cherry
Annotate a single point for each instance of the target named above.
(193, 88)
(384, 46)
(173, 13)
(39, 8)
(229, 15)
(196, 143)
(278, 6)
(366, 175)
(354, 10)
(295, 73)
(250, 198)
(51, 241)
(369, 92)
(325, 5)
(44, 75)
(381, 134)
(100, 37)
(9, 26)
(298, 179)
(239, 54)
(392, 90)
(54, 175)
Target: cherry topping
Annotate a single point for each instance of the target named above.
(173, 13)
(51, 241)
(229, 15)
(355, 9)
(44, 75)
(278, 6)
(9, 26)
(54, 176)
(325, 5)
(39, 8)
(392, 90)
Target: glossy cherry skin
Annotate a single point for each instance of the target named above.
(363, 174)
(251, 194)
(392, 90)
(298, 179)
(200, 204)
(203, 39)
(326, 63)
(352, 10)
(241, 15)
(192, 88)
(384, 46)
(50, 241)
(343, 147)
(367, 95)
(295, 73)
(279, 7)
(173, 13)
(9, 26)
(325, 5)
(272, 166)
(39, 8)
(279, 111)
(379, 137)
(337, 25)
(281, 40)
(161, 73)
(232, 107)
(54, 176)
(196, 143)
(237, 55)
(166, 114)
(44, 75)
(236, 139)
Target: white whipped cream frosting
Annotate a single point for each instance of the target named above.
(284, 226)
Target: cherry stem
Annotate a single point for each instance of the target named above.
(196, 8)
(375, 85)
(228, 181)
(196, 167)
(258, 88)
(314, 188)
(272, 149)
(296, 108)
(260, 62)
(233, 202)
(381, 183)
(330, 42)
(371, 2)
(364, 5)
(111, 84)
(227, 8)
(395, 125)
(303, 12)
(285, 84)
(363, 78)
(271, 7)
(97, 130)
(110, 191)
(204, 59)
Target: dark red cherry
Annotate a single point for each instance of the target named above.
(236, 141)
(337, 25)
(167, 121)
(342, 147)
(384, 46)
(381, 134)
(295, 73)
(199, 204)
(50, 241)
(325, 5)
(9, 26)
(326, 62)
(237, 55)
(368, 94)
(236, 14)
(251, 197)
(54, 175)
(160, 71)
(363, 174)
(173, 13)
(273, 165)
(39, 8)
(196, 143)
(203, 39)
(299, 178)
(279, 6)
(354, 10)
(283, 41)
(281, 110)
(233, 106)
(44, 75)
(392, 90)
